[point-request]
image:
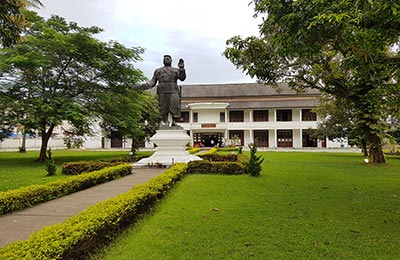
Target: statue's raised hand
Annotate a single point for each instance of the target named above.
(181, 63)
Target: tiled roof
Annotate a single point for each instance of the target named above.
(239, 90)
(249, 96)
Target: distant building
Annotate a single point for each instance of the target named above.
(225, 115)
(228, 114)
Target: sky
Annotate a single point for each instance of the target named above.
(193, 30)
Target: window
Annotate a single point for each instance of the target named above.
(184, 117)
(236, 116)
(308, 115)
(260, 115)
(236, 137)
(285, 138)
(261, 138)
(284, 115)
(308, 138)
(222, 117)
(195, 117)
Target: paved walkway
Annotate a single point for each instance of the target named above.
(19, 225)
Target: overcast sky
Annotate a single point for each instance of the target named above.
(193, 30)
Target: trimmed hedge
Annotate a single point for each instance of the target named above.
(228, 149)
(215, 157)
(206, 167)
(211, 151)
(31, 195)
(193, 150)
(76, 168)
(79, 235)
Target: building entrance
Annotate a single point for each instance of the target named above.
(207, 139)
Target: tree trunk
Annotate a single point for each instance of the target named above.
(364, 148)
(45, 141)
(22, 149)
(375, 153)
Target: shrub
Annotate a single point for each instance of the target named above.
(31, 195)
(211, 151)
(253, 166)
(228, 149)
(51, 167)
(204, 167)
(193, 150)
(75, 168)
(215, 157)
(79, 235)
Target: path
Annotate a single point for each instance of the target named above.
(19, 225)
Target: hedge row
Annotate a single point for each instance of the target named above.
(79, 235)
(75, 168)
(193, 150)
(215, 157)
(205, 167)
(211, 151)
(31, 195)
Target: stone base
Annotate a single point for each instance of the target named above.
(171, 142)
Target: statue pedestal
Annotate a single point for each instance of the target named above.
(171, 142)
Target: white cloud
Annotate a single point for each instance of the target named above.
(194, 30)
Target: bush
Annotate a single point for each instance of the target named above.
(215, 157)
(193, 150)
(253, 166)
(31, 195)
(204, 167)
(228, 149)
(211, 151)
(75, 168)
(51, 167)
(79, 235)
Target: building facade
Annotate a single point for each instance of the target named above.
(240, 114)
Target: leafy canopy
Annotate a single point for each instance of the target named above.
(348, 49)
(60, 71)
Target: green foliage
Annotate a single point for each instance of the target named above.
(77, 236)
(207, 167)
(215, 157)
(13, 21)
(73, 142)
(345, 49)
(228, 149)
(312, 206)
(61, 71)
(211, 151)
(76, 168)
(194, 150)
(253, 166)
(13, 200)
(51, 167)
(395, 135)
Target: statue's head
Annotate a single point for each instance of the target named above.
(167, 60)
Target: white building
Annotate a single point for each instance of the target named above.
(222, 114)
(227, 114)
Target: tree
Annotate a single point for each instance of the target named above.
(253, 166)
(60, 71)
(12, 20)
(338, 122)
(135, 115)
(348, 49)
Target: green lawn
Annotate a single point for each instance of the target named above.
(303, 206)
(20, 169)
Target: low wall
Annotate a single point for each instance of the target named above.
(13, 144)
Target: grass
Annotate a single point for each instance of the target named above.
(303, 206)
(20, 169)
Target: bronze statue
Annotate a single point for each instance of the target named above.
(169, 96)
